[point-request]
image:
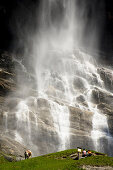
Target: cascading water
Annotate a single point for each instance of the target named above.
(65, 78)
(5, 120)
(22, 115)
(60, 116)
(100, 129)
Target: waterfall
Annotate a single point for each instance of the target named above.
(61, 74)
(62, 89)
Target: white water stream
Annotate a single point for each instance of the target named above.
(60, 116)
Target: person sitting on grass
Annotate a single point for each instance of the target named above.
(89, 153)
(84, 154)
(27, 154)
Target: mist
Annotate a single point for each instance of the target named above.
(54, 26)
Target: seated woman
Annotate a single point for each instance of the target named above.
(84, 154)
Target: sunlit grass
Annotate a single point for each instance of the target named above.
(56, 161)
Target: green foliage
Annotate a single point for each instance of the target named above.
(56, 161)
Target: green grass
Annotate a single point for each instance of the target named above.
(2, 159)
(40, 163)
(96, 161)
(63, 154)
(56, 161)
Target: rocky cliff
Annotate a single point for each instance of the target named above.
(54, 93)
(11, 149)
(47, 124)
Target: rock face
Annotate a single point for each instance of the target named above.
(12, 150)
(80, 120)
(101, 96)
(107, 76)
(7, 76)
(80, 127)
(105, 99)
(50, 122)
(108, 111)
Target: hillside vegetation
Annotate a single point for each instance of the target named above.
(58, 161)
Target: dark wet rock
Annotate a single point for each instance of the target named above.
(42, 103)
(80, 99)
(101, 96)
(7, 74)
(55, 75)
(59, 85)
(92, 79)
(107, 77)
(106, 108)
(108, 111)
(9, 69)
(79, 84)
(6, 61)
(110, 124)
(85, 104)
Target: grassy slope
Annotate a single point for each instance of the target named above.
(56, 161)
